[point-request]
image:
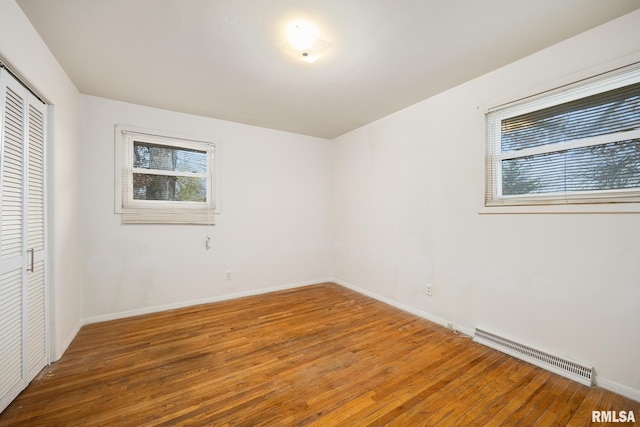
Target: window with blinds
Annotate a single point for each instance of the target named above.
(164, 179)
(577, 144)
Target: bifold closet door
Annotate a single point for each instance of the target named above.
(23, 349)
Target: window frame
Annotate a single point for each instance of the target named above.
(161, 211)
(494, 156)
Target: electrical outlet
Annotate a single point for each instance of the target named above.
(428, 289)
(228, 275)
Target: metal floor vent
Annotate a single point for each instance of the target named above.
(567, 368)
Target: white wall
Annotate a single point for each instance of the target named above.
(274, 229)
(408, 190)
(21, 45)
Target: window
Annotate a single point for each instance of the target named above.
(577, 144)
(164, 179)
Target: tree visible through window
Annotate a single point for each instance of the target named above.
(585, 149)
(165, 179)
(182, 188)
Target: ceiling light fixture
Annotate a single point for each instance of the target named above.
(303, 42)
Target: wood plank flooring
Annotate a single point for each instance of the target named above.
(315, 356)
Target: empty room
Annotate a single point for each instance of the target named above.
(331, 213)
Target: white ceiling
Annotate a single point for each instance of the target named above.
(222, 58)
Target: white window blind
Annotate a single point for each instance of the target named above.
(580, 144)
(164, 179)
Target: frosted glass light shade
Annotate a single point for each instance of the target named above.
(303, 42)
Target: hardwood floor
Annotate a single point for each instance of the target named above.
(319, 355)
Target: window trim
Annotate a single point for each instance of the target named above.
(156, 211)
(567, 93)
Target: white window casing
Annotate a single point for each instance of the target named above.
(579, 144)
(131, 199)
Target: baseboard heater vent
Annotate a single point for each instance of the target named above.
(567, 368)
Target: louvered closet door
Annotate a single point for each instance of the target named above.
(36, 342)
(22, 287)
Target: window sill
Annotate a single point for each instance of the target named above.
(592, 208)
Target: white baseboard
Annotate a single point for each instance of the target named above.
(57, 352)
(618, 388)
(431, 317)
(605, 383)
(600, 381)
(158, 308)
